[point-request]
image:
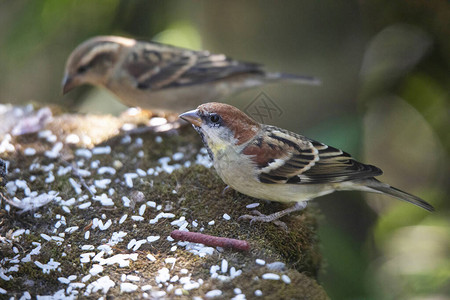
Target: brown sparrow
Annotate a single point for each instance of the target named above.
(267, 162)
(159, 77)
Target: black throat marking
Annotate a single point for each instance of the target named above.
(205, 143)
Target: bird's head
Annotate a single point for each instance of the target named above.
(93, 60)
(221, 125)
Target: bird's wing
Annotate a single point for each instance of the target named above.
(291, 158)
(212, 67)
(154, 66)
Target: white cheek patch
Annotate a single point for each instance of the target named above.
(218, 135)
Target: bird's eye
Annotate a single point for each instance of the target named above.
(82, 69)
(214, 118)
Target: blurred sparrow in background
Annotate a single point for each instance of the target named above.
(267, 162)
(159, 77)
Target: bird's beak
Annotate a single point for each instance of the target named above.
(192, 117)
(68, 84)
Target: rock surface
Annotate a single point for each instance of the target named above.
(87, 211)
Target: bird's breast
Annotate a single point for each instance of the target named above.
(234, 169)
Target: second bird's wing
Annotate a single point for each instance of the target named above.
(154, 66)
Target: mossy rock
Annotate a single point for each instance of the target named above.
(189, 190)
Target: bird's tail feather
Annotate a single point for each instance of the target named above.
(399, 194)
(301, 79)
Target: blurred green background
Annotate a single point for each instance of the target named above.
(384, 97)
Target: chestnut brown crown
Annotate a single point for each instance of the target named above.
(243, 127)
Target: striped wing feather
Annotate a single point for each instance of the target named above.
(303, 160)
(160, 66)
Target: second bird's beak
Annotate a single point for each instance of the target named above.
(192, 117)
(68, 84)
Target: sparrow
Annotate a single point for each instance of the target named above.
(270, 163)
(163, 78)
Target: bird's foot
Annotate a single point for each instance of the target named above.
(273, 218)
(259, 217)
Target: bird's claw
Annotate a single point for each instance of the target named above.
(258, 213)
(260, 217)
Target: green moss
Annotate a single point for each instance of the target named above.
(205, 202)
(301, 286)
(31, 277)
(194, 192)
